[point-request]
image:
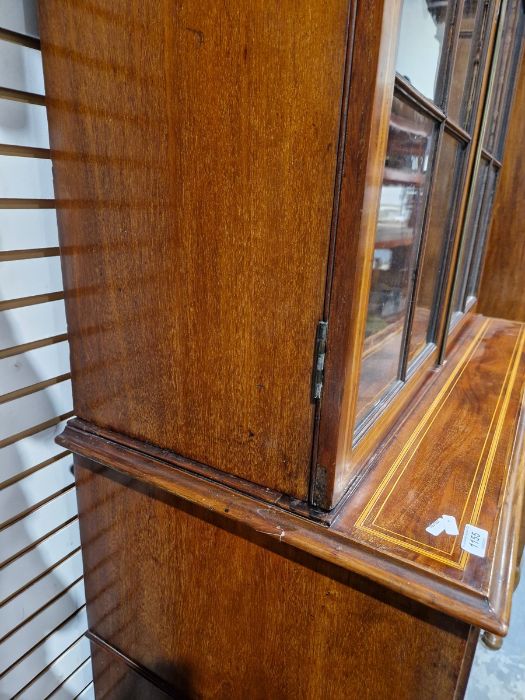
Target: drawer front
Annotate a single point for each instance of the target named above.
(222, 611)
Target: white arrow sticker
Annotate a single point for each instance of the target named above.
(451, 527)
(437, 527)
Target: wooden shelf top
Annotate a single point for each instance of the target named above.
(459, 452)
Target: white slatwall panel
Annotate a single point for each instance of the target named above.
(30, 324)
(36, 561)
(59, 671)
(21, 414)
(27, 178)
(28, 531)
(32, 490)
(21, 67)
(25, 228)
(39, 626)
(23, 124)
(51, 585)
(30, 452)
(20, 16)
(41, 658)
(43, 653)
(75, 684)
(23, 370)
(23, 278)
(87, 694)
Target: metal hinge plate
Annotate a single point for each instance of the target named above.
(319, 357)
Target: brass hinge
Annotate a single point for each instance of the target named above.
(319, 357)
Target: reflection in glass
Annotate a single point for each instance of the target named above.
(400, 219)
(421, 38)
(510, 77)
(467, 62)
(481, 238)
(467, 246)
(502, 76)
(441, 215)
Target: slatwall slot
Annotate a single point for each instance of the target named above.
(75, 684)
(28, 254)
(87, 694)
(35, 430)
(32, 323)
(18, 38)
(24, 533)
(27, 347)
(29, 453)
(16, 575)
(20, 371)
(25, 178)
(33, 300)
(54, 675)
(22, 96)
(37, 596)
(21, 415)
(21, 68)
(32, 388)
(20, 16)
(23, 278)
(26, 493)
(29, 666)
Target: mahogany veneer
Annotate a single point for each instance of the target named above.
(194, 205)
(232, 612)
(380, 529)
(218, 171)
(181, 570)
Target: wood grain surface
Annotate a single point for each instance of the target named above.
(186, 594)
(420, 474)
(115, 679)
(194, 148)
(218, 169)
(453, 456)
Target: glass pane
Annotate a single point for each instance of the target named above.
(513, 66)
(467, 246)
(421, 38)
(501, 75)
(481, 238)
(401, 213)
(441, 214)
(463, 86)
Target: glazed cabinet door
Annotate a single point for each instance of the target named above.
(416, 194)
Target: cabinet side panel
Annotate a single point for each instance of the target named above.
(115, 680)
(204, 604)
(194, 151)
